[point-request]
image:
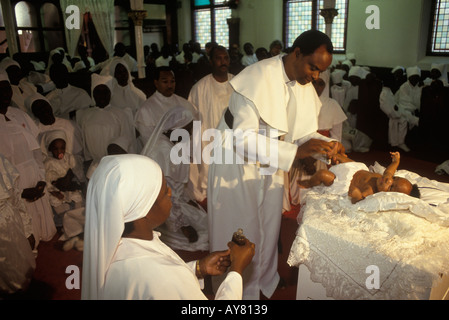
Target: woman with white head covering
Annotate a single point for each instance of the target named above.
(124, 258)
(186, 228)
(438, 71)
(124, 93)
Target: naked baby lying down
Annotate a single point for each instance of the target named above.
(364, 182)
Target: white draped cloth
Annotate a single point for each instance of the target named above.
(241, 195)
(128, 268)
(210, 98)
(331, 117)
(18, 143)
(127, 97)
(18, 262)
(152, 111)
(182, 213)
(71, 98)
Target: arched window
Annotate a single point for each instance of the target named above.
(39, 26)
(303, 15)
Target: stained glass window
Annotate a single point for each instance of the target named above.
(439, 42)
(210, 22)
(303, 15)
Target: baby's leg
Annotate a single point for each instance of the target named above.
(320, 177)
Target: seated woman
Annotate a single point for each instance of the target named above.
(124, 258)
(187, 227)
(364, 182)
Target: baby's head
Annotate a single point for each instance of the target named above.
(57, 148)
(402, 185)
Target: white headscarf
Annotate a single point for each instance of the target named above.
(32, 98)
(50, 136)
(411, 71)
(175, 118)
(7, 62)
(98, 79)
(358, 71)
(122, 189)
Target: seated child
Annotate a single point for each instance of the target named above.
(66, 196)
(364, 182)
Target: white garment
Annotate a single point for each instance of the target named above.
(19, 145)
(239, 195)
(152, 110)
(163, 62)
(21, 92)
(331, 117)
(150, 270)
(18, 262)
(128, 96)
(249, 59)
(210, 98)
(182, 213)
(71, 98)
(408, 97)
(125, 268)
(102, 125)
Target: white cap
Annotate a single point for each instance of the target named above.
(411, 71)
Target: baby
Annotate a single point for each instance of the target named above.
(65, 191)
(365, 183)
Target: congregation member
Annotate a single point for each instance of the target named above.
(186, 227)
(408, 102)
(66, 99)
(124, 257)
(162, 100)
(249, 57)
(20, 85)
(210, 97)
(438, 71)
(18, 144)
(277, 95)
(18, 262)
(125, 95)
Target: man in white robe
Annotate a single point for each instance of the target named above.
(408, 102)
(66, 99)
(275, 95)
(210, 97)
(339, 86)
(162, 100)
(125, 259)
(18, 262)
(124, 94)
(18, 143)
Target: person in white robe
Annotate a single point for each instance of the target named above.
(163, 99)
(408, 102)
(18, 143)
(186, 228)
(18, 262)
(20, 85)
(102, 123)
(210, 97)
(438, 71)
(46, 121)
(66, 99)
(249, 57)
(273, 104)
(339, 86)
(124, 94)
(66, 197)
(58, 55)
(356, 74)
(125, 259)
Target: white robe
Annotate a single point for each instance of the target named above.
(21, 92)
(239, 195)
(408, 98)
(152, 110)
(64, 101)
(249, 60)
(100, 126)
(150, 270)
(331, 117)
(20, 146)
(18, 263)
(210, 98)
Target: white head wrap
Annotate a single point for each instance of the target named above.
(348, 63)
(411, 71)
(32, 98)
(175, 118)
(7, 62)
(337, 76)
(398, 68)
(50, 136)
(358, 71)
(122, 189)
(98, 80)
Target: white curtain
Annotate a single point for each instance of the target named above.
(102, 13)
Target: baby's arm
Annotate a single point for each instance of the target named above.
(384, 183)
